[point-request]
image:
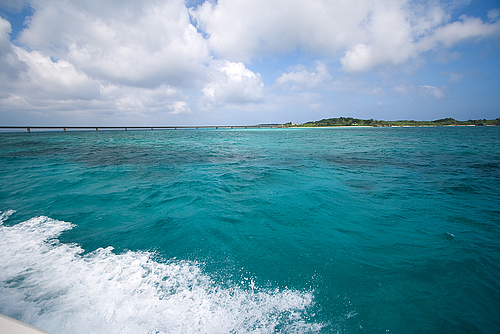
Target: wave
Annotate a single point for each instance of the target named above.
(56, 287)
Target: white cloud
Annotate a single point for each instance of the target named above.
(431, 90)
(232, 82)
(494, 14)
(131, 81)
(142, 44)
(59, 80)
(369, 33)
(458, 31)
(241, 30)
(299, 77)
(180, 107)
(144, 103)
(10, 65)
(406, 89)
(425, 16)
(388, 38)
(58, 87)
(422, 90)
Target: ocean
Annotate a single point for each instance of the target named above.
(304, 230)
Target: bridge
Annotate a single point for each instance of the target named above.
(126, 128)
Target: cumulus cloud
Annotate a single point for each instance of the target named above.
(398, 42)
(143, 44)
(299, 77)
(369, 33)
(241, 30)
(458, 31)
(10, 65)
(140, 100)
(55, 79)
(128, 60)
(49, 86)
(180, 107)
(232, 82)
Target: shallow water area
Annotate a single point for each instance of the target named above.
(261, 230)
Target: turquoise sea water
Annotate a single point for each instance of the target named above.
(323, 230)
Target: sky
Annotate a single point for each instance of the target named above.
(244, 62)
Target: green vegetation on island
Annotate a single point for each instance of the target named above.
(349, 121)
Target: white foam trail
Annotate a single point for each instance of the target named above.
(5, 215)
(53, 286)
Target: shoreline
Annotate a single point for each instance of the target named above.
(387, 126)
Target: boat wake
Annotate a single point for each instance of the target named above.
(54, 286)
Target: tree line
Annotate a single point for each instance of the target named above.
(349, 121)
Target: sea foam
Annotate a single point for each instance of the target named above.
(54, 286)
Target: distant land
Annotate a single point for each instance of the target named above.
(349, 121)
(331, 122)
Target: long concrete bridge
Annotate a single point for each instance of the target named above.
(126, 128)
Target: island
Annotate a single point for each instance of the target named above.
(349, 121)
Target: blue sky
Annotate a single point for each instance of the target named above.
(173, 62)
